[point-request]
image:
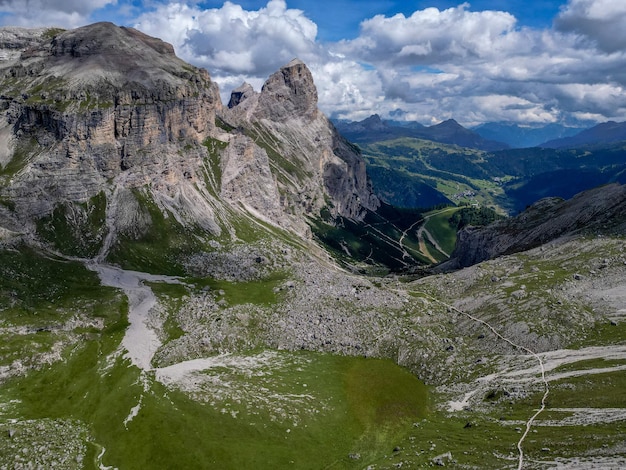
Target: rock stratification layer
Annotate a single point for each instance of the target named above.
(286, 118)
(104, 109)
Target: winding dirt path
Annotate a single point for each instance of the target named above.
(540, 362)
(420, 237)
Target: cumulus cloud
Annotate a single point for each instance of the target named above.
(64, 13)
(231, 40)
(599, 21)
(477, 66)
(431, 36)
(348, 90)
(431, 65)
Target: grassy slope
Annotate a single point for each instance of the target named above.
(419, 173)
(375, 242)
(174, 431)
(496, 423)
(368, 404)
(370, 408)
(439, 227)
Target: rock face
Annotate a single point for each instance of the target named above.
(597, 210)
(289, 93)
(108, 110)
(94, 105)
(13, 41)
(321, 165)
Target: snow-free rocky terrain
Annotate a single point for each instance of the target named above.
(165, 303)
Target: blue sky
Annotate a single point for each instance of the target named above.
(525, 61)
(340, 19)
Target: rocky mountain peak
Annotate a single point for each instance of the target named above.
(374, 122)
(93, 104)
(289, 92)
(449, 124)
(105, 111)
(240, 94)
(107, 39)
(101, 59)
(318, 158)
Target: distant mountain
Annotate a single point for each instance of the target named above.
(418, 173)
(518, 136)
(374, 129)
(405, 124)
(605, 133)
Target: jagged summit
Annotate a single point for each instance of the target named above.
(240, 94)
(108, 110)
(286, 107)
(290, 92)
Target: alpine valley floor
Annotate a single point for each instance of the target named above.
(110, 368)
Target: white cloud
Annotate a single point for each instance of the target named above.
(347, 90)
(431, 35)
(477, 66)
(233, 40)
(63, 13)
(600, 21)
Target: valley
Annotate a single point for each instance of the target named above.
(185, 284)
(484, 381)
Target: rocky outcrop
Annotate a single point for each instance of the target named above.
(600, 210)
(14, 41)
(108, 110)
(247, 178)
(99, 108)
(314, 166)
(240, 94)
(289, 93)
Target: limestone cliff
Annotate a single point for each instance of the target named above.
(314, 166)
(96, 105)
(107, 110)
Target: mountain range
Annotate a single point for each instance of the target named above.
(518, 136)
(602, 134)
(490, 136)
(375, 129)
(189, 284)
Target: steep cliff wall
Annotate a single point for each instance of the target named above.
(600, 210)
(108, 110)
(314, 166)
(98, 104)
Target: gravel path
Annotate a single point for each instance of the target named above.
(140, 341)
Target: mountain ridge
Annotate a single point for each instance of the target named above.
(524, 136)
(598, 210)
(106, 109)
(604, 133)
(374, 129)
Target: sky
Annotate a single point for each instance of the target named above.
(531, 62)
